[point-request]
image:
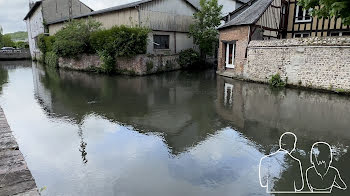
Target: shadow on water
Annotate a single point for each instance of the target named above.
(213, 131)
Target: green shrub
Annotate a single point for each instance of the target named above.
(121, 40)
(41, 43)
(188, 58)
(22, 45)
(149, 65)
(276, 81)
(45, 43)
(49, 41)
(51, 59)
(74, 38)
(107, 62)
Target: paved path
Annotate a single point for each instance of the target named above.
(15, 177)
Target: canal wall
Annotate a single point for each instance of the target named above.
(15, 54)
(137, 65)
(315, 62)
(15, 177)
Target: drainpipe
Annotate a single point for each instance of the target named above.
(138, 14)
(175, 41)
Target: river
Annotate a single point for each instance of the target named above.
(177, 133)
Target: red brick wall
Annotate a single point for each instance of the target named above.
(239, 34)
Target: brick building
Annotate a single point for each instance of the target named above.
(255, 20)
(268, 19)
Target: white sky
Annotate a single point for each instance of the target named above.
(12, 12)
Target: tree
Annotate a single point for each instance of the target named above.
(204, 30)
(6, 41)
(328, 8)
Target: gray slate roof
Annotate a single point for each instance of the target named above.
(197, 5)
(248, 14)
(112, 9)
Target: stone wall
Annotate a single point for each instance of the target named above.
(14, 54)
(317, 62)
(82, 63)
(138, 65)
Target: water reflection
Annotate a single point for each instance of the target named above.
(177, 133)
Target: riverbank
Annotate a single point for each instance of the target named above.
(15, 177)
(311, 63)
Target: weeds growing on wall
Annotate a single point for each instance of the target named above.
(189, 58)
(276, 81)
(107, 62)
(51, 59)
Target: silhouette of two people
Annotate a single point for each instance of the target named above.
(281, 169)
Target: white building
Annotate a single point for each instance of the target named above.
(46, 11)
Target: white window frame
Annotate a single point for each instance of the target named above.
(228, 55)
(301, 35)
(304, 14)
(228, 100)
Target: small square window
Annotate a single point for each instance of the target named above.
(161, 41)
(302, 15)
(298, 35)
(345, 33)
(335, 33)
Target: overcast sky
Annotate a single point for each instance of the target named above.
(12, 12)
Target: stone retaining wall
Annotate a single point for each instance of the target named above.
(15, 54)
(321, 63)
(138, 65)
(15, 177)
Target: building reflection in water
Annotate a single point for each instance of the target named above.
(262, 115)
(190, 110)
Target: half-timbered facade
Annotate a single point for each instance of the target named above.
(301, 24)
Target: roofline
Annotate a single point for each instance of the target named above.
(109, 10)
(103, 11)
(256, 20)
(86, 5)
(225, 27)
(192, 5)
(32, 10)
(242, 7)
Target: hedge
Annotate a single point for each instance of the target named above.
(73, 39)
(121, 40)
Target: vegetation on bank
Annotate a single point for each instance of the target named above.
(19, 35)
(277, 82)
(204, 30)
(87, 37)
(7, 41)
(190, 59)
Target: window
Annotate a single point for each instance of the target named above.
(302, 15)
(230, 55)
(161, 41)
(296, 35)
(340, 34)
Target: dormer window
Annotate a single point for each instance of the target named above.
(302, 15)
